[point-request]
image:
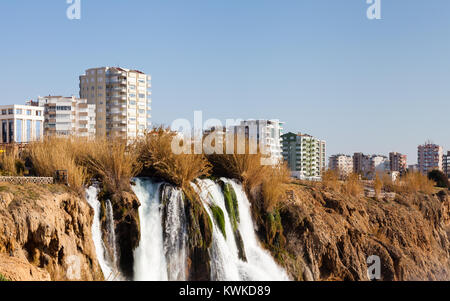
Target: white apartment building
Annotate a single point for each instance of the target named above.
(379, 165)
(21, 123)
(122, 98)
(65, 116)
(267, 133)
(305, 155)
(342, 164)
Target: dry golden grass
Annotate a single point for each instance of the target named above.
(11, 164)
(109, 160)
(351, 186)
(414, 182)
(158, 159)
(330, 179)
(378, 185)
(54, 154)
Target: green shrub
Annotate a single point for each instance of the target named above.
(439, 177)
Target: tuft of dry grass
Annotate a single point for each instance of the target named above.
(158, 159)
(110, 160)
(413, 182)
(11, 164)
(378, 185)
(330, 179)
(54, 154)
(351, 186)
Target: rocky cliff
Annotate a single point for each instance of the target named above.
(318, 234)
(45, 234)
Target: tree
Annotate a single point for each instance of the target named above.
(440, 178)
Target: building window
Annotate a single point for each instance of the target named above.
(19, 111)
(38, 129)
(28, 130)
(4, 131)
(19, 131)
(10, 111)
(11, 131)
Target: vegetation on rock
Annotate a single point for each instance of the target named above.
(219, 217)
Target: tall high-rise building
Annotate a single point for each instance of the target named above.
(398, 162)
(65, 116)
(305, 155)
(430, 157)
(122, 98)
(342, 164)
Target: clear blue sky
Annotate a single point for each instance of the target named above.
(319, 65)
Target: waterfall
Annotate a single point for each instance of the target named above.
(100, 250)
(223, 252)
(225, 262)
(149, 258)
(162, 252)
(110, 230)
(175, 234)
(260, 265)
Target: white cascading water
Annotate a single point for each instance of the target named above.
(225, 262)
(111, 232)
(260, 265)
(162, 253)
(100, 250)
(149, 258)
(175, 237)
(223, 252)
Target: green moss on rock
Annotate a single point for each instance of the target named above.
(231, 204)
(219, 217)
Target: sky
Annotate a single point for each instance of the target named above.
(320, 66)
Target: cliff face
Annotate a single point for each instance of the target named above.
(46, 235)
(125, 206)
(329, 236)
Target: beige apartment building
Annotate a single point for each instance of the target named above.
(122, 98)
(21, 124)
(429, 157)
(342, 164)
(66, 116)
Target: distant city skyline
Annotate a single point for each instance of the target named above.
(323, 68)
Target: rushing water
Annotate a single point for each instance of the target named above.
(225, 262)
(162, 252)
(100, 250)
(149, 258)
(175, 236)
